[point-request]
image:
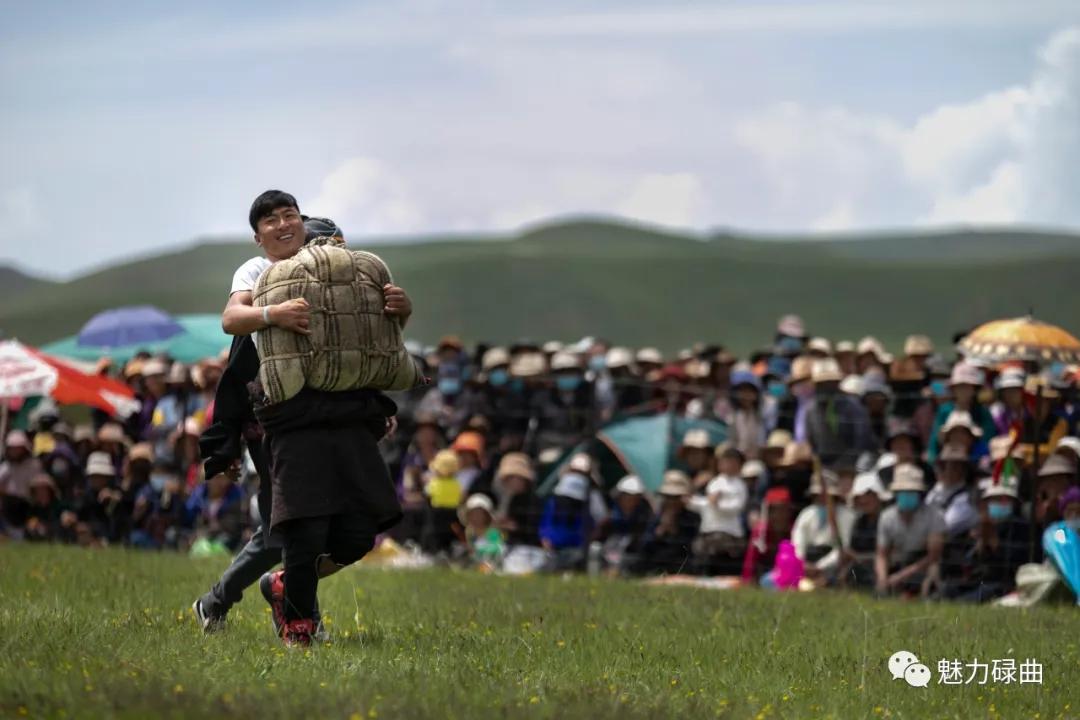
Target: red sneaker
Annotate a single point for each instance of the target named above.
(272, 585)
(298, 633)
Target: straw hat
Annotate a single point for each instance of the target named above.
(792, 326)
(450, 342)
(565, 361)
(966, 374)
(1005, 488)
(99, 463)
(697, 438)
(495, 357)
(528, 364)
(141, 451)
(916, 345)
(476, 501)
(552, 346)
(154, 366)
(516, 464)
(650, 356)
(630, 485)
(853, 385)
(752, 469)
(178, 374)
(819, 345)
(802, 369)
(869, 345)
(111, 432)
(905, 370)
(619, 357)
(825, 371)
(845, 347)
(1057, 465)
(580, 463)
(445, 463)
(676, 484)
(797, 453)
(870, 482)
(960, 419)
(1069, 443)
(84, 433)
(907, 477)
(1011, 378)
(778, 440)
(17, 438)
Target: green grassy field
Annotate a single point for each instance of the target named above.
(110, 633)
(634, 285)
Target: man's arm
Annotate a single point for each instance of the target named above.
(242, 318)
(398, 303)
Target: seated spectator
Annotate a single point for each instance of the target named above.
(774, 527)
(837, 425)
(1056, 476)
(667, 544)
(868, 496)
(755, 476)
(16, 472)
(754, 415)
(43, 515)
(484, 544)
(215, 511)
(960, 430)
(794, 472)
(469, 447)
(566, 524)
(965, 383)
(911, 537)
(823, 529)
(696, 454)
(952, 495)
(624, 531)
(444, 495)
(95, 507)
(721, 541)
(1001, 543)
(158, 515)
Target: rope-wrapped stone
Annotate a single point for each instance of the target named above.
(353, 344)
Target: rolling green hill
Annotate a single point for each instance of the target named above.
(638, 286)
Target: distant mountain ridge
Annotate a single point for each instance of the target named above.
(632, 284)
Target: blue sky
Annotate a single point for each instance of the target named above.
(129, 128)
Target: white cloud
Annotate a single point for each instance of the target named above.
(364, 197)
(674, 199)
(1011, 155)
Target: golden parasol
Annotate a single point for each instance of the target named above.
(1022, 338)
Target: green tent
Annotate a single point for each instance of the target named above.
(645, 446)
(202, 338)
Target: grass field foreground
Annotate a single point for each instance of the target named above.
(110, 633)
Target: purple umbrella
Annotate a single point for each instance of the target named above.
(128, 326)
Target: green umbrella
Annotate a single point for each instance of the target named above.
(202, 338)
(645, 446)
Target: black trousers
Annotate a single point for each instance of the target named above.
(344, 538)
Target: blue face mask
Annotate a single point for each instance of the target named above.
(517, 385)
(939, 388)
(907, 500)
(999, 512)
(568, 383)
(777, 389)
(597, 362)
(158, 480)
(498, 377)
(449, 385)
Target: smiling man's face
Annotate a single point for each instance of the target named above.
(281, 233)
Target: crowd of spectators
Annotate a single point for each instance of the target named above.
(908, 474)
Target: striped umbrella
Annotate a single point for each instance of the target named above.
(1025, 339)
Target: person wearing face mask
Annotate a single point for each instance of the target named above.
(159, 508)
(753, 416)
(501, 397)
(796, 403)
(136, 475)
(964, 384)
(448, 401)
(16, 472)
(822, 531)
(567, 412)
(1001, 544)
(868, 498)
(911, 537)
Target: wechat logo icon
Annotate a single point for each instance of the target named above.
(904, 665)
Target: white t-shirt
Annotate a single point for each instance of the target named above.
(246, 276)
(724, 515)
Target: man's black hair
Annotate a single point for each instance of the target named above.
(267, 203)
